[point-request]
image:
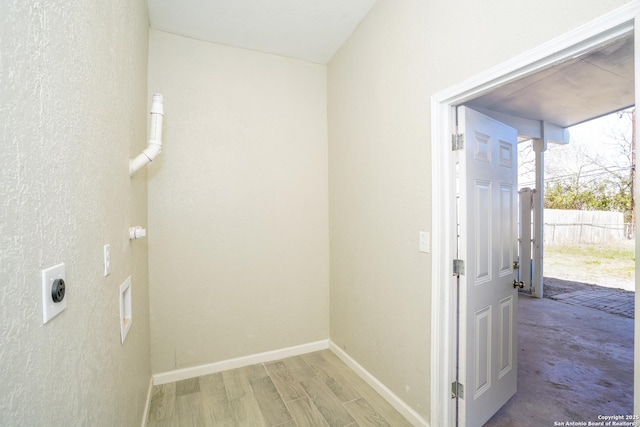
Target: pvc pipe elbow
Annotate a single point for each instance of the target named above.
(139, 161)
(155, 143)
(153, 149)
(147, 156)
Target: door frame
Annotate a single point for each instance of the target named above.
(611, 26)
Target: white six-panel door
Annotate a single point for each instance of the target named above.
(488, 245)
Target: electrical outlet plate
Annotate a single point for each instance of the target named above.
(51, 309)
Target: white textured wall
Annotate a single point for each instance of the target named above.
(73, 107)
(238, 233)
(379, 89)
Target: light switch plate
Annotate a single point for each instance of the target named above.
(423, 245)
(51, 309)
(107, 259)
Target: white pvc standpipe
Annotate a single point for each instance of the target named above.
(155, 136)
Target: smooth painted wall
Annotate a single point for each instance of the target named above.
(73, 109)
(238, 214)
(379, 88)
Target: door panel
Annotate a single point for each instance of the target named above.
(482, 354)
(483, 231)
(506, 335)
(488, 244)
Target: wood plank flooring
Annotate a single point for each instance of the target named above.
(315, 389)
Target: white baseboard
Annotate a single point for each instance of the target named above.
(146, 406)
(412, 416)
(240, 362)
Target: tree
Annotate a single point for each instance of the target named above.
(598, 174)
(595, 197)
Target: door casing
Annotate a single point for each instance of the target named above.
(614, 25)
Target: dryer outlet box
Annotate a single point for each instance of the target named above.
(52, 279)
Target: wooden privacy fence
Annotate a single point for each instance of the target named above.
(567, 227)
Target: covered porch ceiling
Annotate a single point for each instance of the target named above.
(543, 105)
(593, 85)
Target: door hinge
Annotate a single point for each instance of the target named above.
(457, 141)
(457, 390)
(458, 267)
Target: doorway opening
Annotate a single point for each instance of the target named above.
(576, 345)
(589, 38)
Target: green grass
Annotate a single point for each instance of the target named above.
(591, 262)
(594, 253)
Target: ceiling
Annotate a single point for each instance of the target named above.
(575, 91)
(311, 30)
(569, 93)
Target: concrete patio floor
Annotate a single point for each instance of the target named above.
(574, 363)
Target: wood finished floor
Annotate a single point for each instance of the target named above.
(315, 389)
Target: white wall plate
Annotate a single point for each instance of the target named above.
(51, 309)
(126, 317)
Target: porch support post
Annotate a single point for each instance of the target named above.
(539, 147)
